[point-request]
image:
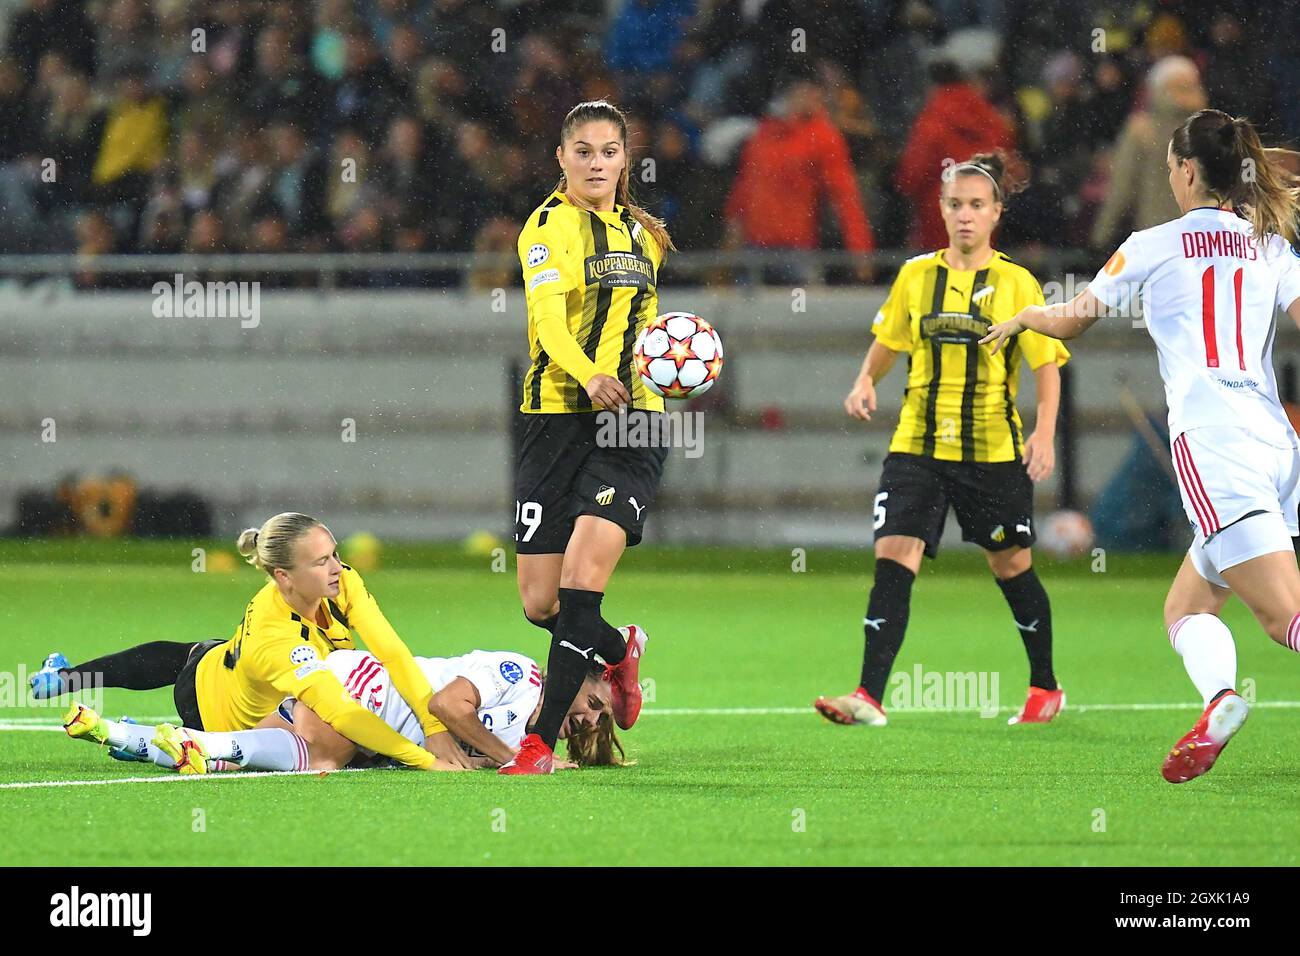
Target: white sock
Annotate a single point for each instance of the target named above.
(1208, 653)
(269, 749)
(1293, 634)
(158, 757)
(137, 738)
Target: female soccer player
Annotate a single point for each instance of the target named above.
(487, 699)
(958, 441)
(590, 260)
(307, 609)
(1210, 282)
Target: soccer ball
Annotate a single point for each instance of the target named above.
(1066, 534)
(678, 355)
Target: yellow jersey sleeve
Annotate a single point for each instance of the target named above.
(1038, 349)
(892, 325)
(551, 256)
(365, 617)
(295, 669)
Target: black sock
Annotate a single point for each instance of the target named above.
(143, 667)
(580, 634)
(1033, 613)
(887, 609)
(546, 624)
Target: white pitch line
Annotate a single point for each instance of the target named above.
(28, 724)
(42, 724)
(164, 777)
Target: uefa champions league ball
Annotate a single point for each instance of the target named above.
(678, 355)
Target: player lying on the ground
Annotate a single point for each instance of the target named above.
(487, 699)
(1211, 282)
(307, 609)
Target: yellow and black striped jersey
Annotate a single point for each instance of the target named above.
(605, 265)
(960, 399)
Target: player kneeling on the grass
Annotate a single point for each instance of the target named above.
(958, 441)
(307, 609)
(590, 260)
(488, 700)
(1211, 282)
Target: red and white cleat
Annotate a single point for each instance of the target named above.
(625, 678)
(858, 707)
(1040, 706)
(1200, 747)
(534, 757)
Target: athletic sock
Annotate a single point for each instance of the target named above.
(885, 624)
(580, 634)
(1032, 612)
(1293, 634)
(144, 667)
(546, 624)
(267, 749)
(160, 758)
(1208, 653)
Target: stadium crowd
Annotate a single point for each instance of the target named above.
(430, 125)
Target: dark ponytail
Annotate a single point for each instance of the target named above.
(1237, 169)
(604, 110)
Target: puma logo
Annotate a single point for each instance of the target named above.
(639, 509)
(1030, 628)
(586, 654)
(873, 623)
(1023, 527)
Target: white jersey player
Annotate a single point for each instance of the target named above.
(509, 689)
(486, 699)
(1210, 285)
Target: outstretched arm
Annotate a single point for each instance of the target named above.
(1064, 320)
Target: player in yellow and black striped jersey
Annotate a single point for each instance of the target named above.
(959, 441)
(601, 267)
(590, 261)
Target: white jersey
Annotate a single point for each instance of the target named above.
(509, 688)
(1210, 292)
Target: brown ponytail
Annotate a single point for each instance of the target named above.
(1237, 169)
(1009, 173)
(604, 110)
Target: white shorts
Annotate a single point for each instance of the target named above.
(1225, 474)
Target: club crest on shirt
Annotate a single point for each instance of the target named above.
(605, 495)
(512, 672)
(619, 270)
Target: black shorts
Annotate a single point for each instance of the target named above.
(566, 469)
(994, 501)
(184, 692)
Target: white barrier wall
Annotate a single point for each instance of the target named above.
(254, 416)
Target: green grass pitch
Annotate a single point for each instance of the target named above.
(769, 783)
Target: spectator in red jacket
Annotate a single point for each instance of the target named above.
(956, 120)
(794, 156)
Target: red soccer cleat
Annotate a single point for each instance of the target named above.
(858, 707)
(1040, 706)
(1200, 747)
(625, 678)
(534, 757)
